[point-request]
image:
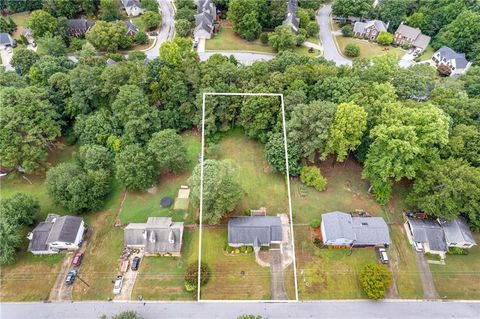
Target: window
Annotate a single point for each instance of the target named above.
(466, 245)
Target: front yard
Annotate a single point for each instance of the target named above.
(367, 49)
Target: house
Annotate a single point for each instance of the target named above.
(78, 27)
(158, 236)
(436, 236)
(453, 63)
(370, 29)
(205, 19)
(413, 36)
(56, 233)
(291, 19)
(6, 40)
(255, 231)
(132, 29)
(28, 34)
(132, 7)
(341, 229)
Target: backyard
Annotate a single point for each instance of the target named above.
(367, 49)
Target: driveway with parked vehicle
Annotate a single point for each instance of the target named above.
(129, 276)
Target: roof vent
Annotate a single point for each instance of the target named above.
(364, 224)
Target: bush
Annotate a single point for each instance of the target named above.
(347, 30)
(352, 50)
(237, 251)
(264, 37)
(406, 46)
(76, 43)
(183, 28)
(375, 278)
(385, 38)
(312, 29)
(229, 249)
(191, 275)
(151, 20)
(317, 241)
(249, 249)
(315, 223)
(311, 176)
(457, 251)
(141, 37)
(243, 249)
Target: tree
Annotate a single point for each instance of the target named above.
(416, 20)
(152, 5)
(183, 27)
(140, 37)
(304, 17)
(93, 157)
(10, 240)
(282, 38)
(347, 30)
(50, 45)
(19, 209)
(385, 38)
(109, 36)
(94, 128)
(191, 275)
(59, 8)
(221, 191)
(85, 87)
(310, 4)
(312, 176)
(346, 130)
(249, 28)
(375, 278)
(42, 22)
(259, 115)
(465, 143)
(28, 125)
(77, 190)
(244, 16)
(135, 168)
(151, 19)
(352, 50)
(447, 189)
(185, 13)
(23, 59)
(169, 150)
(109, 10)
(414, 82)
(357, 8)
(170, 52)
(471, 81)
(312, 29)
(394, 11)
(275, 155)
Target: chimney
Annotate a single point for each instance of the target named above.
(30, 236)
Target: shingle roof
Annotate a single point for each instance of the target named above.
(251, 230)
(130, 3)
(80, 24)
(131, 28)
(359, 27)
(428, 231)
(338, 225)
(39, 237)
(449, 54)
(409, 32)
(421, 41)
(5, 38)
(64, 229)
(457, 230)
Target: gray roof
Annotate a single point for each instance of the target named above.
(158, 235)
(255, 230)
(292, 6)
(421, 41)
(206, 6)
(206, 16)
(449, 54)
(293, 21)
(131, 27)
(409, 32)
(457, 231)
(80, 24)
(39, 237)
(362, 230)
(428, 231)
(111, 62)
(361, 26)
(64, 229)
(130, 3)
(5, 38)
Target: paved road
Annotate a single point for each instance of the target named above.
(330, 51)
(246, 58)
(326, 309)
(167, 29)
(429, 290)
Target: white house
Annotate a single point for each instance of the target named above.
(455, 63)
(132, 7)
(56, 233)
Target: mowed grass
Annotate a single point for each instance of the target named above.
(138, 206)
(427, 54)
(262, 186)
(20, 19)
(233, 277)
(161, 278)
(301, 50)
(460, 277)
(367, 49)
(227, 40)
(328, 273)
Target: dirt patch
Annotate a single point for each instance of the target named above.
(61, 291)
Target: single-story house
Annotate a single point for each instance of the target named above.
(6, 40)
(413, 36)
(455, 63)
(292, 19)
(255, 231)
(432, 235)
(205, 19)
(158, 236)
(132, 7)
(370, 29)
(132, 29)
(78, 27)
(56, 233)
(341, 229)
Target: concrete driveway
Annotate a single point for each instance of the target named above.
(6, 57)
(407, 60)
(429, 290)
(330, 51)
(167, 29)
(129, 278)
(276, 271)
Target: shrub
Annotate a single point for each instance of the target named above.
(457, 251)
(243, 249)
(406, 46)
(237, 251)
(311, 176)
(347, 30)
(191, 275)
(189, 287)
(312, 28)
(317, 241)
(264, 37)
(141, 37)
(315, 223)
(249, 249)
(229, 249)
(375, 278)
(385, 38)
(352, 50)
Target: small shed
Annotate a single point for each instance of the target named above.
(182, 201)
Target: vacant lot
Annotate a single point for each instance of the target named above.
(262, 186)
(460, 277)
(236, 277)
(367, 49)
(161, 278)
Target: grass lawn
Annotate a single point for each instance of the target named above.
(313, 40)
(20, 19)
(140, 47)
(227, 40)
(427, 54)
(328, 273)
(161, 278)
(367, 49)
(138, 206)
(460, 277)
(262, 186)
(304, 51)
(233, 277)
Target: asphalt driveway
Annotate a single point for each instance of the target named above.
(429, 290)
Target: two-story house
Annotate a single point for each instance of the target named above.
(370, 29)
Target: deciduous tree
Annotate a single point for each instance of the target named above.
(42, 22)
(169, 150)
(375, 279)
(135, 168)
(275, 155)
(282, 38)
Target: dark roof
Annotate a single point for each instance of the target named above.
(457, 231)
(39, 237)
(428, 231)
(64, 229)
(129, 3)
(80, 24)
(131, 28)
(291, 18)
(5, 38)
(254, 230)
(449, 54)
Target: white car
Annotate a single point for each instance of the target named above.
(383, 255)
(117, 287)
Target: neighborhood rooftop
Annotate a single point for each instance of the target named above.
(457, 231)
(449, 54)
(254, 230)
(428, 231)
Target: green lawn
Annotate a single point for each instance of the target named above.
(262, 186)
(367, 49)
(20, 19)
(460, 277)
(236, 277)
(227, 40)
(427, 54)
(161, 278)
(301, 50)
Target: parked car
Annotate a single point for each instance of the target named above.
(383, 255)
(117, 287)
(135, 263)
(71, 277)
(195, 43)
(77, 260)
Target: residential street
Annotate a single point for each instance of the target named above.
(330, 51)
(167, 28)
(229, 310)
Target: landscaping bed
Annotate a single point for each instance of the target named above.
(367, 49)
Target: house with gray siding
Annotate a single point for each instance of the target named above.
(255, 231)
